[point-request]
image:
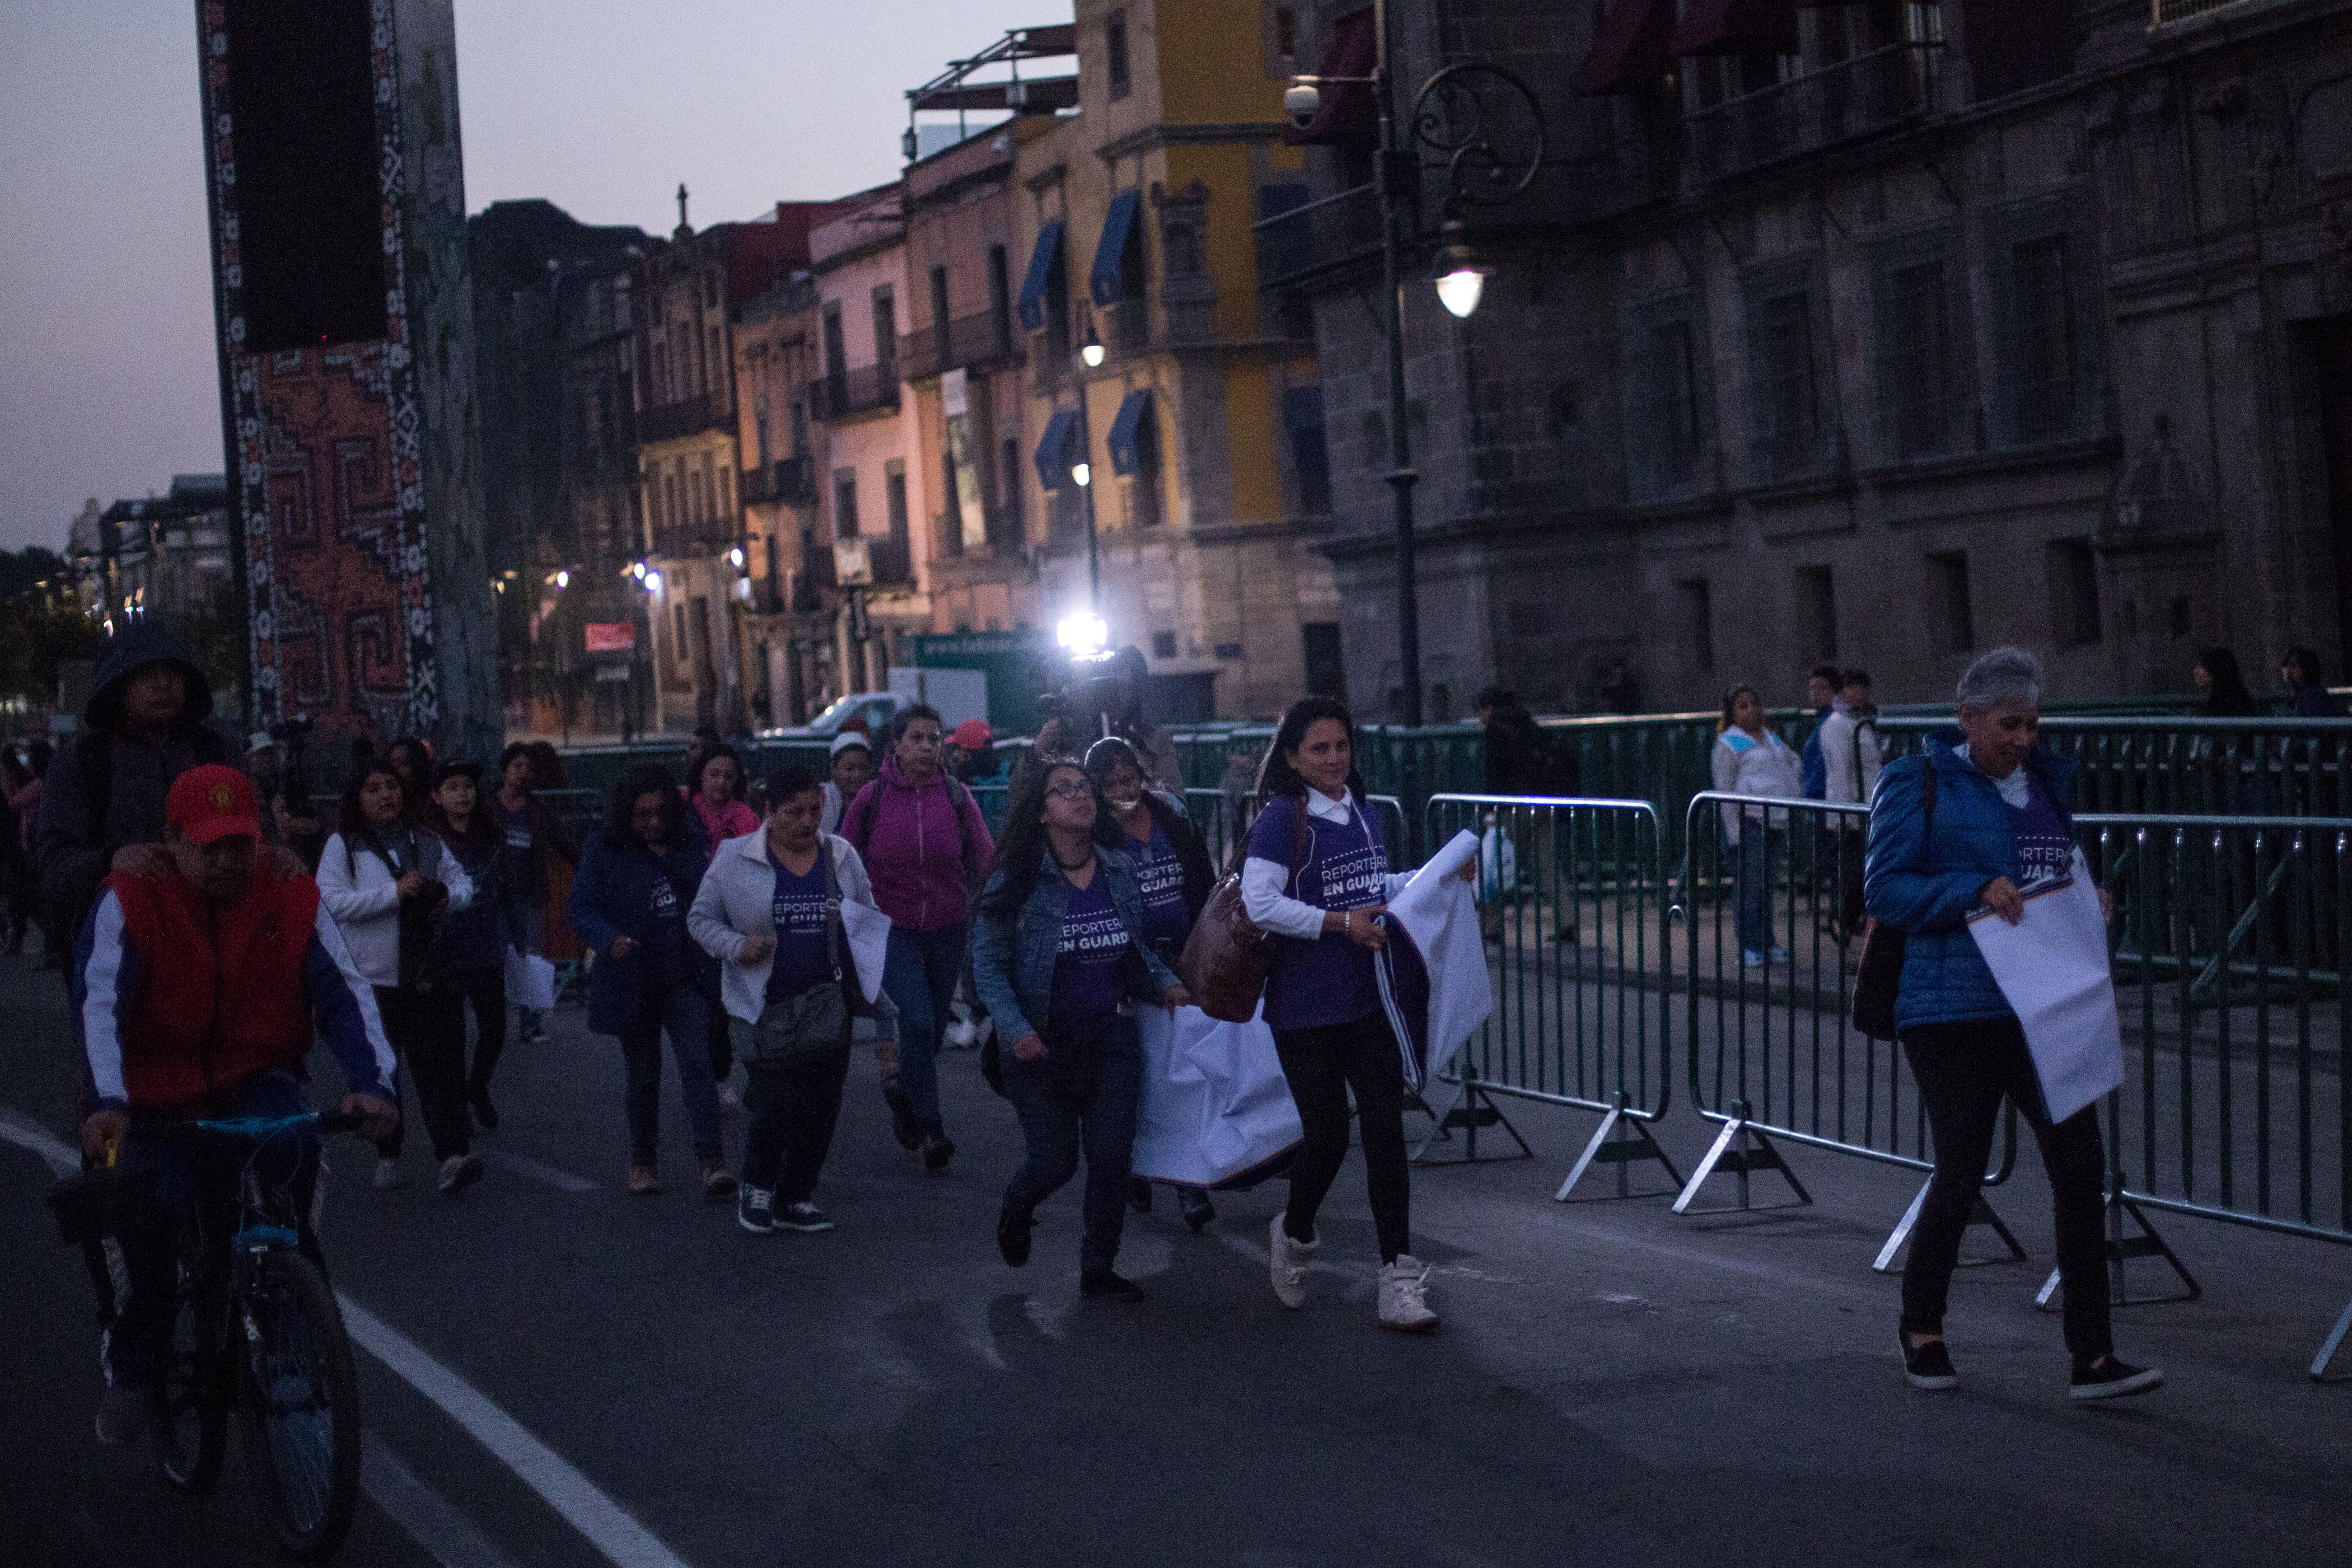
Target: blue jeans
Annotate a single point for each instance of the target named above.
(1758, 853)
(137, 1343)
(920, 973)
(684, 1009)
(1058, 1124)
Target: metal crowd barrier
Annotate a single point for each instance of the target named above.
(2188, 765)
(1571, 905)
(1787, 1064)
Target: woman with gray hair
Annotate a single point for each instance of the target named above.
(1980, 818)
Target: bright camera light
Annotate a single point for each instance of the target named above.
(1084, 634)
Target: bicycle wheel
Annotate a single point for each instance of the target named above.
(191, 1434)
(298, 1405)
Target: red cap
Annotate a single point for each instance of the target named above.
(212, 802)
(973, 734)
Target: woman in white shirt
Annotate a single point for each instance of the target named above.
(1749, 759)
(388, 885)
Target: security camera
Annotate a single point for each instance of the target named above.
(1301, 100)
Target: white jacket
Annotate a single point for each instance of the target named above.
(1852, 756)
(738, 901)
(1745, 766)
(364, 895)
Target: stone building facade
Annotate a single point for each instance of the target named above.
(1879, 332)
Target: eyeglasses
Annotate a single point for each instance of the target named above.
(1068, 792)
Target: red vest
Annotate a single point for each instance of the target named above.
(220, 990)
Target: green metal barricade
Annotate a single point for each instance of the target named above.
(1572, 904)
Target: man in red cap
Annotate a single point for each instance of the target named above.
(195, 990)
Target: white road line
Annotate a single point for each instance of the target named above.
(539, 1170)
(610, 1528)
(437, 1526)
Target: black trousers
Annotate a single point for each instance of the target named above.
(1322, 1065)
(793, 1111)
(1964, 1071)
(427, 1031)
(486, 989)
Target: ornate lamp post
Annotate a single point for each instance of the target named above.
(1463, 113)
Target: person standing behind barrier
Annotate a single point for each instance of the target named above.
(769, 911)
(2001, 823)
(2222, 688)
(923, 843)
(1851, 760)
(478, 935)
(1175, 876)
(1821, 684)
(535, 840)
(1059, 955)
(2307, 694)
(1749, 759)
(1317, 879)
(637, 879)
(851, 764)
(390, 887)
(1522, 760)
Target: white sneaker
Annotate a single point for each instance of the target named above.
(962, 1035)
(1287, 1262)
(1404, 1305)
(388, 1176)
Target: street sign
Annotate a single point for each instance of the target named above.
(612, 672)
(612, 637)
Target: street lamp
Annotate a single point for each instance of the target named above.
(1463, 113)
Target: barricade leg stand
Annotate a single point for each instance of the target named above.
(1981, 1214)
(1739, 1150)
(2328, 1351)
(2120, 1247)
(1619, 1141)
(1470, 1108)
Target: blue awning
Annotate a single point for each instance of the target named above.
(1040, 269)
(1128, 430)
(1111, 254)
(1054, 452)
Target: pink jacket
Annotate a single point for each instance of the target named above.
(733, 822)
(923, 849)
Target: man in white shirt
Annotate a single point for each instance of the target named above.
(1851, 760)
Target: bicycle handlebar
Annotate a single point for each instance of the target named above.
(260, 1129)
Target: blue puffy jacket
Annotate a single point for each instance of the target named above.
(1926, 886)
(613, 896)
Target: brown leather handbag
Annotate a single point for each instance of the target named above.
(1226, 958)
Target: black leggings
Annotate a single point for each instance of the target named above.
(1322, 1064)
(486, 988)
(1964, 1069)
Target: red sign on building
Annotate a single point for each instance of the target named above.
(612, 637)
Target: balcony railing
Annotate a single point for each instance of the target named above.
(1852, 99)
(972, 342)
(788, 481)
(1296, 247)
(687, 416)
(861, 389)
(2163, 11)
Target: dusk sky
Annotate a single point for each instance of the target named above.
(108, 382)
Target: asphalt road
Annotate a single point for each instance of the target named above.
(556, 1373)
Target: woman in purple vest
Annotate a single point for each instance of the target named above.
(1317, 878)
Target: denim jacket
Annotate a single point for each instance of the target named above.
(1926, 885)
(1013, 956)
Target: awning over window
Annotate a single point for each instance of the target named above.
(1737, 27)
(1631, 47)
(1054, 452)
(1348, 113)
(1040, 269)
(1110, 251)
(1128, 431)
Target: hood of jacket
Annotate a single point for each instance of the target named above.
(143, 642)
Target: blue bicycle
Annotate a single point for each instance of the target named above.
(257, 1328)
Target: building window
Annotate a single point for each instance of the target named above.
(1695, 602)
(942, 350)
(1817, 612)
(1662, 401)
(1326, 674)
(2074, 568)
(2043, 358)
(1784, 396)
(1310, 457)
(1008, 475)
(1285, 40)
(726, 495)
(1000, 302)
(886, 339)
(1164, 644)
(894, 498)
(836, 363)
(680, 639)
(1115, 47)
(1919, 386)
(1952, 615)
(844, 503)
(717, 367)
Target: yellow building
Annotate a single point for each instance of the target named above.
(1201, 426)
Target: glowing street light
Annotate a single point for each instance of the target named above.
(562, 578)
(637, 569)
(1084, 472)
(653, 583)
(735, 558)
